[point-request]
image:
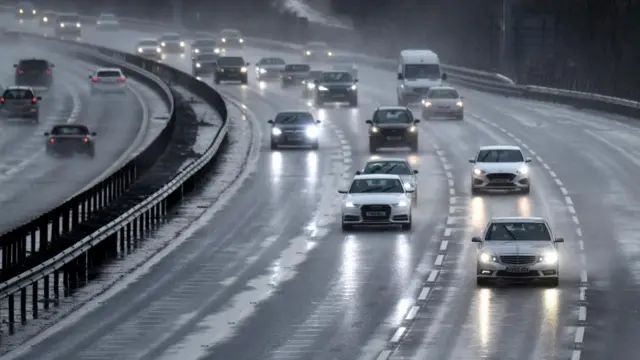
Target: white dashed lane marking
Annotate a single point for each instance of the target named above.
(582, 309)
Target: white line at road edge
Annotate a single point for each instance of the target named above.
(582, 309)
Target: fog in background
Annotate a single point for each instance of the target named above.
(588, 45)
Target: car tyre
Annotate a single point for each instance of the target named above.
(475, 191)
(482, 282)
(216, 81)
(554, 282)
(414, 145)
(526, 190)
(407, 227)
(346, 227)
(274, 145)
(354, 102)
(373, 147)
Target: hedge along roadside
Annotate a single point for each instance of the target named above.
(41, 234)
(73, 263)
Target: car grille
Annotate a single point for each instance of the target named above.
(518, 259)
(383, 210)
(338, 90)
(393, 132)
(493, 177)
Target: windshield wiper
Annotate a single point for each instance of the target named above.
(390, 169)
(484, 157)
(511, 235)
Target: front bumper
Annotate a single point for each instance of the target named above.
(403, 138)
(496, 270)
(293, 138)
(337, 96)
(453, 111)
(231, 76)
(393, 215)
(269, 75)
(504, 182)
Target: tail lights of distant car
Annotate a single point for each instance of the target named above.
(20, 71)
(52, 140)
(1, 100)
(122, 79)
(95, 79)
(49, 72)
(34, 100)
(86, 140)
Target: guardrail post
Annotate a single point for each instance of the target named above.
(65, 221)
(66, 280)
(12, 314)
(43, 232)
(34, 299)
(23, 306)
(45, 283)
(56, 286)
(121, 241)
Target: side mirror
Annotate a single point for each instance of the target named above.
(318, 121)
(358, 172)
(15, 65)
(476, 239)
(558, 240)
(416, 121)
(39, 98)
(270, 122)
(355, 80)
(416, 172)
(527, 160)
(46, 134)
(248, 64)
(369, 122)
(94, 133)
(400, 77)
(342, 191)
(444, 76)
(90, 76)
(473, 161)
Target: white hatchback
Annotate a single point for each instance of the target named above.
(108, 80)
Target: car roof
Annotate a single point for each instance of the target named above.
(108, 69)
(376, 176)
(387, 159)
(442, 88)
(148, 39)
(391, 107)
(508, 219)
(18, 87)
(500, 147)
(419, 56)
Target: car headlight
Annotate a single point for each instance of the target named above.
(408, 186)
(21, 11)
(45, 19)
(311, 86)
(224, 40)
(478, 171)
(140, 50)
(181, 43)
(550, 257)
(401, 204)
(158, 50)
(330, 53)
(349, 204)
(459, 104)
(241, 41)
(354, 87)
(216, 50)
(413, 129)
(33, 12)
(197, 51)
(61, 25)
(262, 71)
(307, 52)
(322, 88)
(312, 131)
(426, 103)
(244, 70)
(487, 258)
(78, 25)
(163, 44)
(374, 129)
(523, 170)
(198, 65)
(276, 132)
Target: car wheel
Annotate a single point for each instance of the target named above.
(315, 146)
(414, 146)
(245, 81)
(354, 102)
(274, 145)
(460, 117)
(346, 227)
(407, 227)
(482, 282)
(475, 191)
(526, 190)
(319, 103)
(216, 81)
(554, 282)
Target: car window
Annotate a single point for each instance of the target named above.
(68, 19)
(422, 71)
(33, 64)
(392, 117)
(388, 167)
(294, 118)
(330, 77)
(443, 94)
(359, 186)
(69, 130)
(231, 61)
(204, 42)
(171, 37)
(18, 94)
(109, 73)
(500, 156)
(148, 43)
(272, 61)
(297, 67)
(518, 231)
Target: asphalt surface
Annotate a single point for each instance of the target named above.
(33, 182)
(274, 277)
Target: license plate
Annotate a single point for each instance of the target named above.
(394, 137)
(517, 269)
(501, 180)
(376, 213)
(339, 95)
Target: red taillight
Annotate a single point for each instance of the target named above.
(52, 140)
(34, 100)
(85, 140)
(122, 79)
(20, 71)
(2, 100)
(95, 79)
(49, 72)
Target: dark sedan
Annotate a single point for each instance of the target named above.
(70, 139)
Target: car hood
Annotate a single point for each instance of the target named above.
(419, 83)
(272, 67)
(500, 167)
(517, 247)
(377, 198)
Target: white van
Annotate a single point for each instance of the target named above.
(418, 70)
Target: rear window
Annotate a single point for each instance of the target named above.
(33, 64)
(109, 73)
(18, 94)
(297, 67)
(70, 130)
(204, 43)
(68, 18)
(231, 61)
(230, 33)
(148, 43)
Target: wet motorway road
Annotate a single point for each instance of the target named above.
(33, 182)
(274, 277)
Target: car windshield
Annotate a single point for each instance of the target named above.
(500, 156)
(399, 116)
(228, 33)
(69, 18)
(108, 73)
(443, 94)
(171, 37)
(231, 61)
(316, 45)
(422, 71)
(18, 94)
(315, 75)
(359, 186)
(388, 167)
(33, 64)
(207, 57)
(291, 118)
(297, 67)
(204, 43)
(70, 130)
(148, 43)
(336, 77)
(107, 17)
(518, 231)
(272, 61)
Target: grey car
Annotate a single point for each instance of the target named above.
(336, 87)
(270, 69)
(294, 128)
(20, 102)
(442, 101)
(294, 75)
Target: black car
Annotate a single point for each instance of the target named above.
(294, 128)
(309, 84)
(48, 19)
(34, 73)
(393, 126)
(204, 64)
(26, 11)
(336, 86)
(294, 74)
(69, 139)
(204, 46)
(231, 68)
(68, 26)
